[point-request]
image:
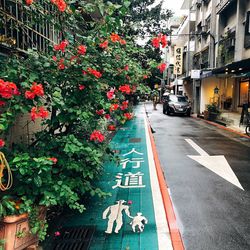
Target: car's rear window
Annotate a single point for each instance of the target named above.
(174, 98)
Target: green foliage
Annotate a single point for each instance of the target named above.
(213, 108)
(38, 179)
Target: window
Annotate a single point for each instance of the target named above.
(247, 31)
(244, 93)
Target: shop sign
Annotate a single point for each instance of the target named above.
(178, 60)
(195, 74)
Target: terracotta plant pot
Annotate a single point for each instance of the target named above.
(14, 230)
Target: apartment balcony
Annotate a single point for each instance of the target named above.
(222, 5)
(226, 51)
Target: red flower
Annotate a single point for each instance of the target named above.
(145, 77)
(81, 87)
(122, 42)
(81, 49)
(72, 58)
(124, 105)
(29, 2)
(2, 143)
(114, 37)
(53, 159)
(84, 72)
(38, 113)
(111, 127)
(107, 116)
(125, 88)
(164, 41)
(100, 112)
(94, 72)
(156, 42)
(113, 107)
(8, 89)
(110, 94)
(61, 46)
(37, 89)
(61, 64)
(104, 45)
(97, 136)
(29, 95)
(162, 67)
(54, 58)
(126, 68)
(128, 116)
(61, 5)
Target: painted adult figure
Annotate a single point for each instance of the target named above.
(115, 215)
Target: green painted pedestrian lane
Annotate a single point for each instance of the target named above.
(133, 217)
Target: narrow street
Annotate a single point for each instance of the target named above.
(212, 209)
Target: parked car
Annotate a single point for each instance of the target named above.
(176, 104)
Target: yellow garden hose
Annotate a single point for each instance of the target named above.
(4, 164)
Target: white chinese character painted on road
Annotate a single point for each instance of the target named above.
(133, 151)
(115, 215)
(131, 180)
(138, 221)
(133, 160)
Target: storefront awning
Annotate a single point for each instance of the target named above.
(237, 68)
(244, 75)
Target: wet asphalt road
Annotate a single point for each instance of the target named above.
(211, 212)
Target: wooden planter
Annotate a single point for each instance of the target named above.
(13, 226)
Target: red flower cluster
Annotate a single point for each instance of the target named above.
(61, 46)
(162, 67)
(100, 112)
(110, 94)
(53, 159)
(35, 90)
(128, 116)
(125, 89)
(29, 2)
(61, 64)
(113, 107)
(104, 45)
(116, 38)
(81, 49)
(145, 77)
(81, 87)
(8, 89)
(124, 105)
(94, 72)
(38, 113)
(160, 39)
(2, 143)
(61, 5)
(97, 136)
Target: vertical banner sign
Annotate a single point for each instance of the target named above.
(178, 60)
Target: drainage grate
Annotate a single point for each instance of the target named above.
(74, 238)
(135, 140)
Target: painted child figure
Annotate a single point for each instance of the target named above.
(139, 221)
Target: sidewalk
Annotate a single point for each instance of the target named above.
(139, 213)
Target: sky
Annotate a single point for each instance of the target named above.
(175, 6)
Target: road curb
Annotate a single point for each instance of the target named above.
(221, 127)
(175, 235)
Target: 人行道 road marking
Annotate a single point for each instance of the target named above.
(216, 163)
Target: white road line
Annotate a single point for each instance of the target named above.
(196, 147)
(163, 234)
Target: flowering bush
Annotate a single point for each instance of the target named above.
(76, 91)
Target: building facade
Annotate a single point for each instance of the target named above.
(220, 68)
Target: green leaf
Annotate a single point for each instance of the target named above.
(38, 181)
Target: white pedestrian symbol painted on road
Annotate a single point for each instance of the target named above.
(216, 163)
(138, 221)
(131, 180)
(115, 215)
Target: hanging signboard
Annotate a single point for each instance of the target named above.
(195, 74)
(178, 59)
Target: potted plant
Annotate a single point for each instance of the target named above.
(212, 112)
